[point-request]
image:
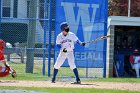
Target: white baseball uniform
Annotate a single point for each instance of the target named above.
(67, 42)
(2, 69)
(136, 65)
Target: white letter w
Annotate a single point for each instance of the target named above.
(83, 15)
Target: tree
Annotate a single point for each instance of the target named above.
(120, 8)
(116, 7)
(135, 8)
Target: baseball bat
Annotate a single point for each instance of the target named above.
(101, 38)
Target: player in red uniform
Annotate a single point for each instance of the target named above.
(135, 62)
(4, 71)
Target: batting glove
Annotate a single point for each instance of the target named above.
(64, 50)
(83, 43)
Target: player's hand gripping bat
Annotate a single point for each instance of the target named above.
(101, 38)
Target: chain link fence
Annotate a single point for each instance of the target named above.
(25, 25)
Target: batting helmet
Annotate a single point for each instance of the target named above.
(64, 26)
(2, 44)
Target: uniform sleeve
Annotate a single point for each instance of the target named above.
(1, 56)
(58, 41)
(131, 59)
(137, 59)
(76, 39)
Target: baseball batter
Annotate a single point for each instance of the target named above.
(65, 41)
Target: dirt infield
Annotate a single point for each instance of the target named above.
(99, 85)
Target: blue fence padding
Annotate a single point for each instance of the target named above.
(88, 20)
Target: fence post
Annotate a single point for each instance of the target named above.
(22, 55)
(0, 17)
(45, 29)
(31, 37)
(105, 42)
(104, 58)
(49, 45)
(129, 8)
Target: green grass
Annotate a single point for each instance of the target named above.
(37, 72)
(42, 78)
(37, 75)
(68, 90)
(21, 75)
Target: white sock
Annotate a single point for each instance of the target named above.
(3, 69)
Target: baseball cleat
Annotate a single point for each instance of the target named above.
(53, 80)
(77, 81)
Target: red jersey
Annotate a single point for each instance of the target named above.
(2, 55)
(131, 59)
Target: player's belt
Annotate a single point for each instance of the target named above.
(135, 63)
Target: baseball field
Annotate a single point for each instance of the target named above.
(121, 85)
(37, 82)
